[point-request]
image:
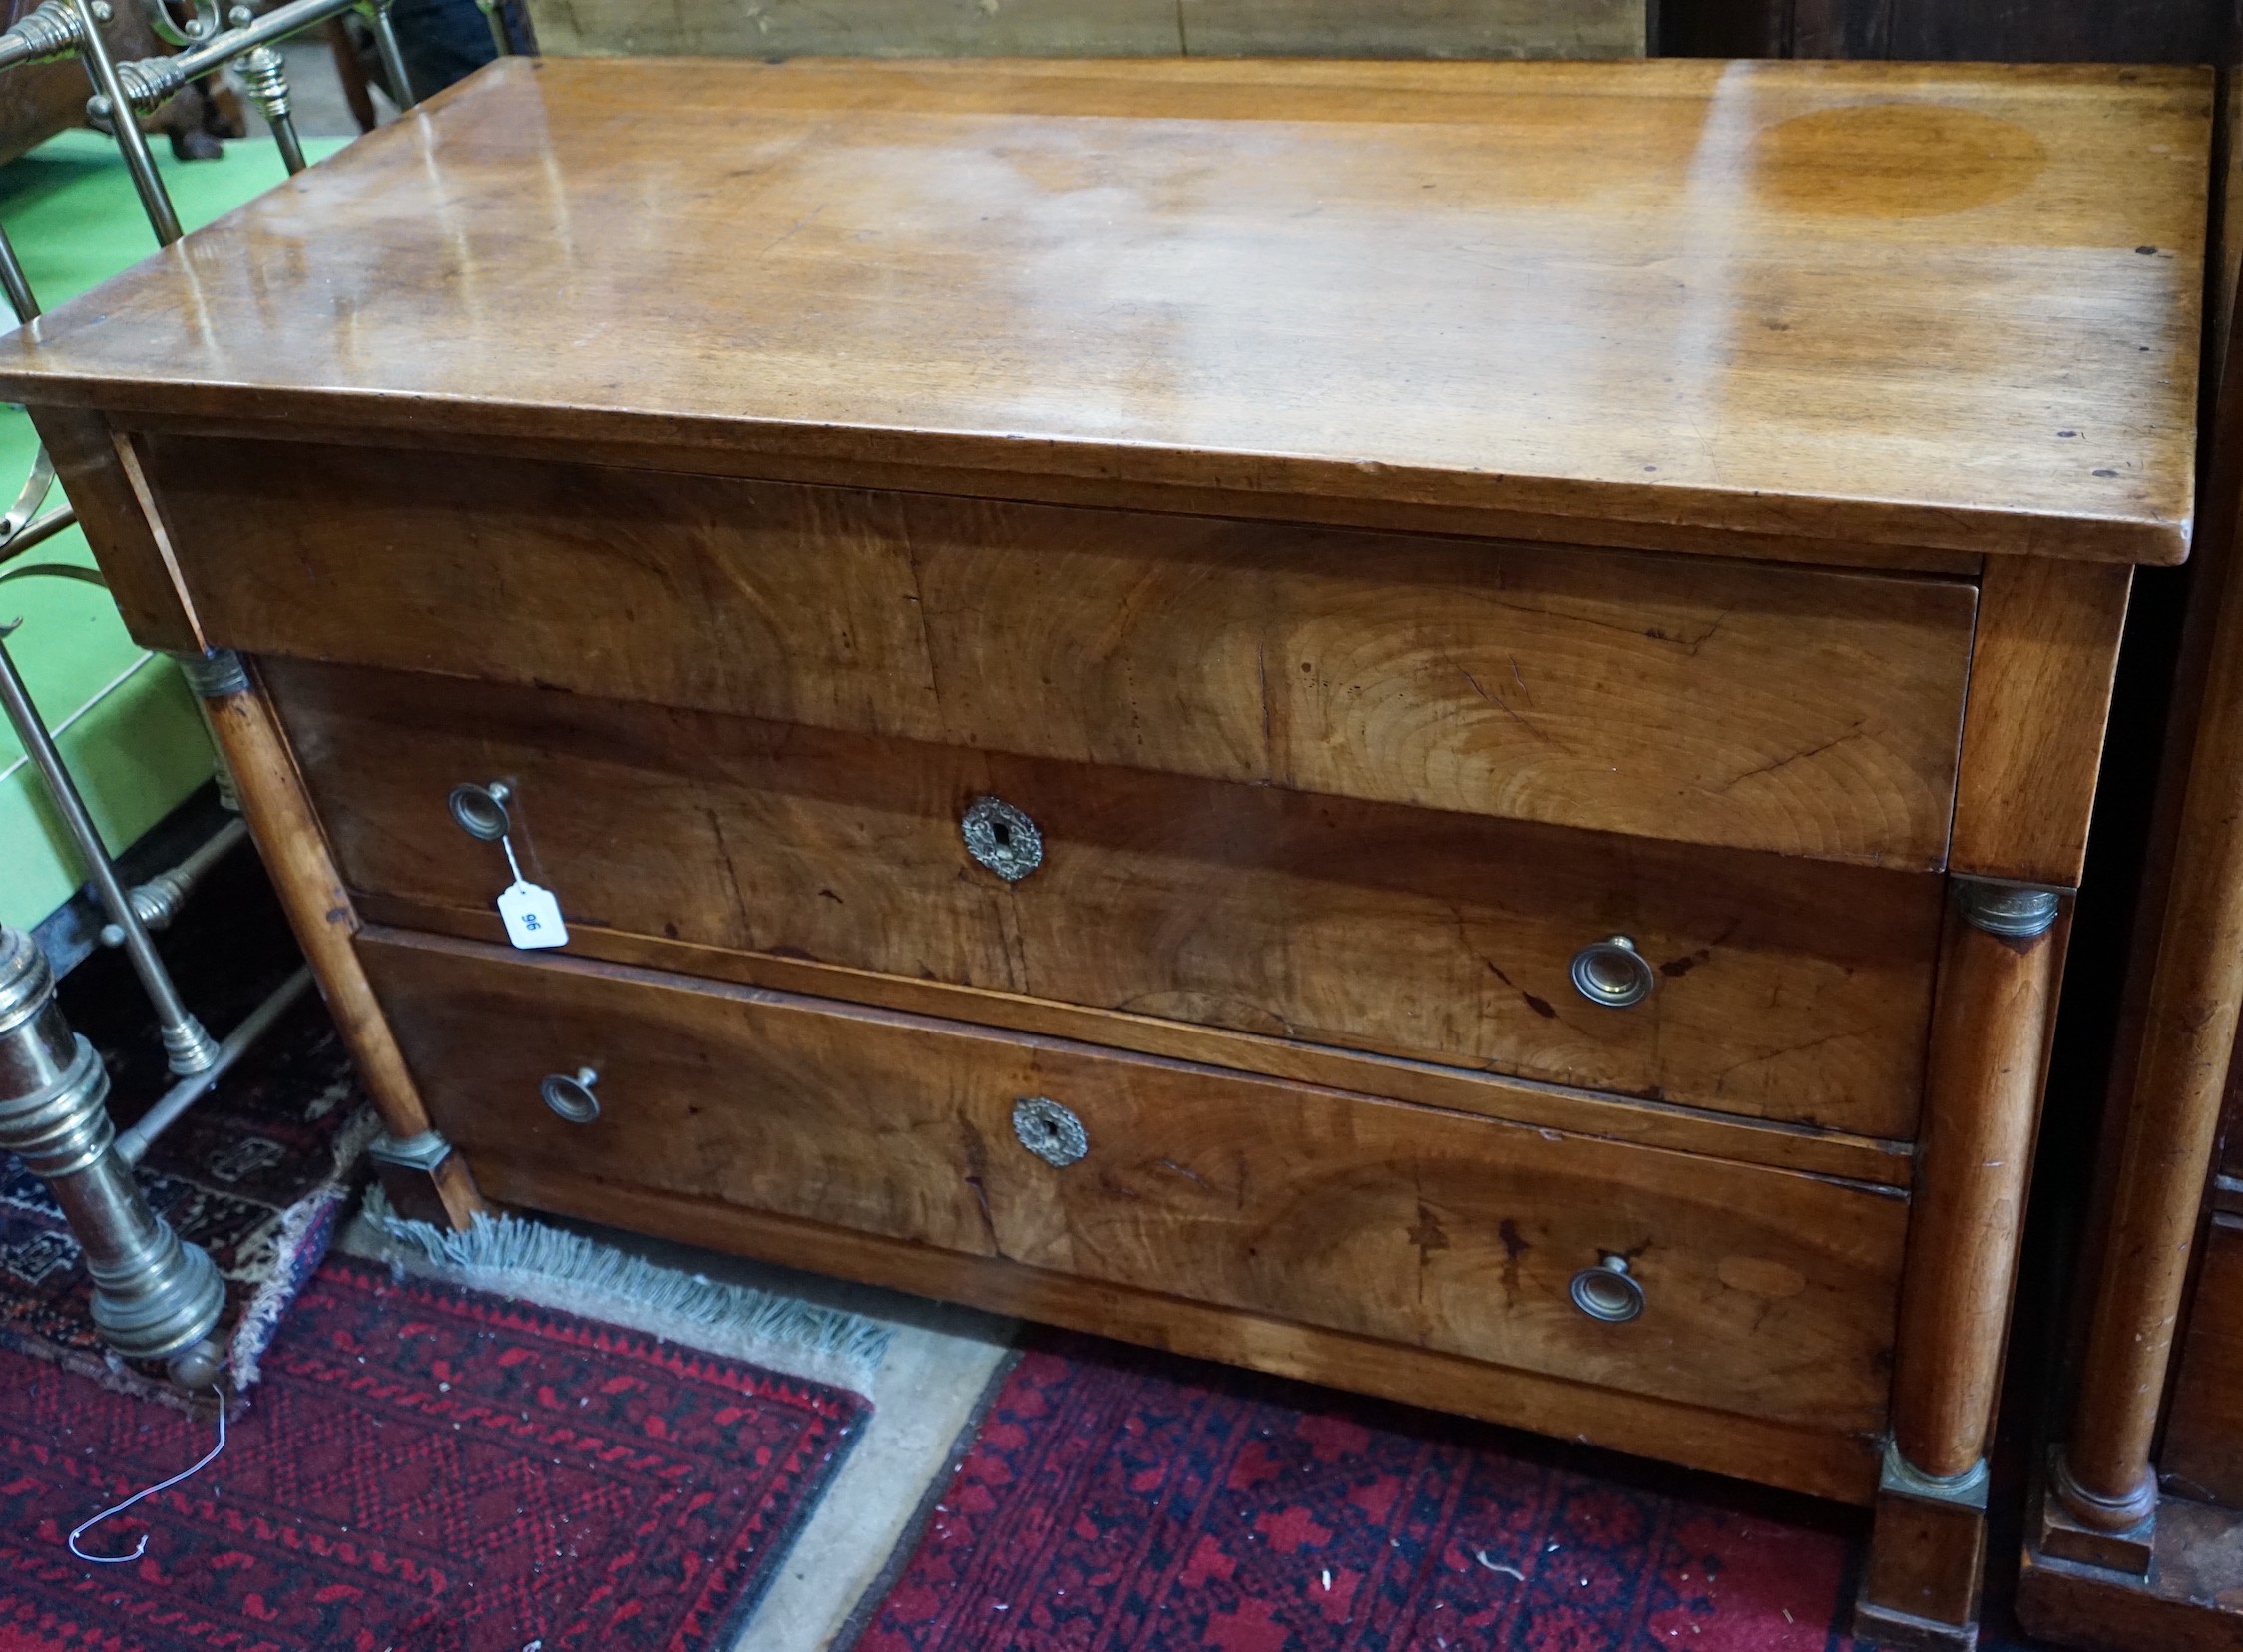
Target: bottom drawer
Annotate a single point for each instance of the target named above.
(1762, 1292)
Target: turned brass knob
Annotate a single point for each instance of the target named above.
(571, 1097)
(1612, 973)
(1608, 1291)
(481, 810)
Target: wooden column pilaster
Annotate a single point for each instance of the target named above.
(424, 1179)
(2102, 1478)
(1996, 992)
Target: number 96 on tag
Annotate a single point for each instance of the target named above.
(533, 916)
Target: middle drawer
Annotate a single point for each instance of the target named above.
(1779, 988)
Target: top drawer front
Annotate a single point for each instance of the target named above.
(1767, 708)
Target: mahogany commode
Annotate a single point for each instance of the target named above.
(1423, 725)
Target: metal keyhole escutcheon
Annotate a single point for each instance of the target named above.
(571, 1097)
(1612, 973)
(1000, 838)
(1608, 1291)
(1049, 1130)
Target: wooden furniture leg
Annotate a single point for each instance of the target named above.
(2106, 1496)
(423, 1177)
(1997, 989)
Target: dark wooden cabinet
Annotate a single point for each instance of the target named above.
(2134, 1535)
(1964, 30)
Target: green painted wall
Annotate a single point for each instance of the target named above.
(126, 723)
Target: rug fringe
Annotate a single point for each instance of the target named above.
(554, 1268)
(299, 1244)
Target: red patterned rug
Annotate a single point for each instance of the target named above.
(1117, 1499)
(421, 1468)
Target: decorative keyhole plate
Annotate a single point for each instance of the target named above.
(1001, 838)
(1049, 1130)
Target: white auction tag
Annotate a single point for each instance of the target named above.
(533, 916)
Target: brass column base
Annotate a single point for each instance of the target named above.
(425, 1180)
(2059, 1532)
(1927, 1557)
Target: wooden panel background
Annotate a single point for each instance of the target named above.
(2138, 31)
(1093, 28)
(1993, 31)
(2203, 1455)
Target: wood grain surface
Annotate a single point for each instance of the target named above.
(1599, 1113)
(288, 838)
(1990, 1046)
(1768, 1294)
(1895, 304)
(1389, 515)
(1799, 1457)
(1926, 1566)
(101, 478)
(2192, 1601)
(2182, 992)
(2042, 669)
(2173, 1089)
(2202, 1455)
(1091, 28)
(1808, 712)
(1785, 988)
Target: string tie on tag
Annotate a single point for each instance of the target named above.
(140, 1548)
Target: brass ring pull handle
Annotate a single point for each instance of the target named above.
(481, 810)
(1000, 838)
(1612, 973)
(571, 1097)
(1608, 1291)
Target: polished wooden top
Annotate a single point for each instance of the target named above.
(1935, 306)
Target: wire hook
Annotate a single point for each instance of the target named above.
(141, 1548)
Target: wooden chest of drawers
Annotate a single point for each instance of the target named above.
(1425, 726)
